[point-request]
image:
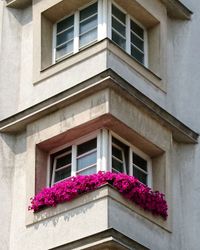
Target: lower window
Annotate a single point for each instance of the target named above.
(85, 156)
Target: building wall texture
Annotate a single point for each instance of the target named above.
(19, 93)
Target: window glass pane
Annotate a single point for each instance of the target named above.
(87, 160)
(137, 41)
(137, 29)
(88, 37)
(139, 56)
(117, 13)
(66, 23)
(92, 9)
(65, 36)
(86, 146)
(88, 24)
(88, 171)
(137, 160)
(64, 49)
(140, 175)
(118, 26)
(116, 165)
(62, 174)
(118, 40)
(63, 161)
(117, 152)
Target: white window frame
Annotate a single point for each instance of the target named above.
(104, 155)
(128, 31)
(104, 29)
(133, 149)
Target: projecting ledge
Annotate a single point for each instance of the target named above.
(109, 239)
(18, 4)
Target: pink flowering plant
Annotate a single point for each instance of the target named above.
(129, 186)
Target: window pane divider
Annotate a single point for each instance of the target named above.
(135, 34)
(142, 170)
(85, 32)
(83, 20)
(87, 153)
(83, 169)
(63, 167)
(119, 21)
(137, 48)
(118, 33)
(60, 45)
(64, 30)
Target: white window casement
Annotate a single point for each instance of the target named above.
(94, 22)
(103, 151)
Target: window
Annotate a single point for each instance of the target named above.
(128, 159)
(128, 34)
(79, 158)
(87, 156)
(85, 26)
(76, 31)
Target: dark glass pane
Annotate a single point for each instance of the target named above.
(120, 15)
(137, 42)
(62, 174)
(117, 153)
(92, 9)
(87, 160)
(86, 146)
(139, 56)
(88, 171)
(118, 26)
(88, 24)
(137, 160)
(137, 29)
(66, 23)
(64, 49)
(63, 161)
(65, 36)
(117, 165)
(140, 175)
(118, 40)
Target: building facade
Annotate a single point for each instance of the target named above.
(89, 86)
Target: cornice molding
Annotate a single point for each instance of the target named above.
(106, 79)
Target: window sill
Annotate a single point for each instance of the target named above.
(100, 47)
(110, 197)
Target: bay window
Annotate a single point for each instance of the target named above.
(88, 156)
(99, 20)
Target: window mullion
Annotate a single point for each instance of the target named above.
(128, 34)
(130, 162)
(99, 149)
(105, 150)
(109, 19)
(74, 153)
(76, 32)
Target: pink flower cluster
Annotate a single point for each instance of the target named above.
(129, 186)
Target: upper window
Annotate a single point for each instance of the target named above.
(76, 31)
(128, 34)
(85, 156)
(89, 25)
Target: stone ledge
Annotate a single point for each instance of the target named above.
(109, 239)
(18, 4)
(107, 79)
